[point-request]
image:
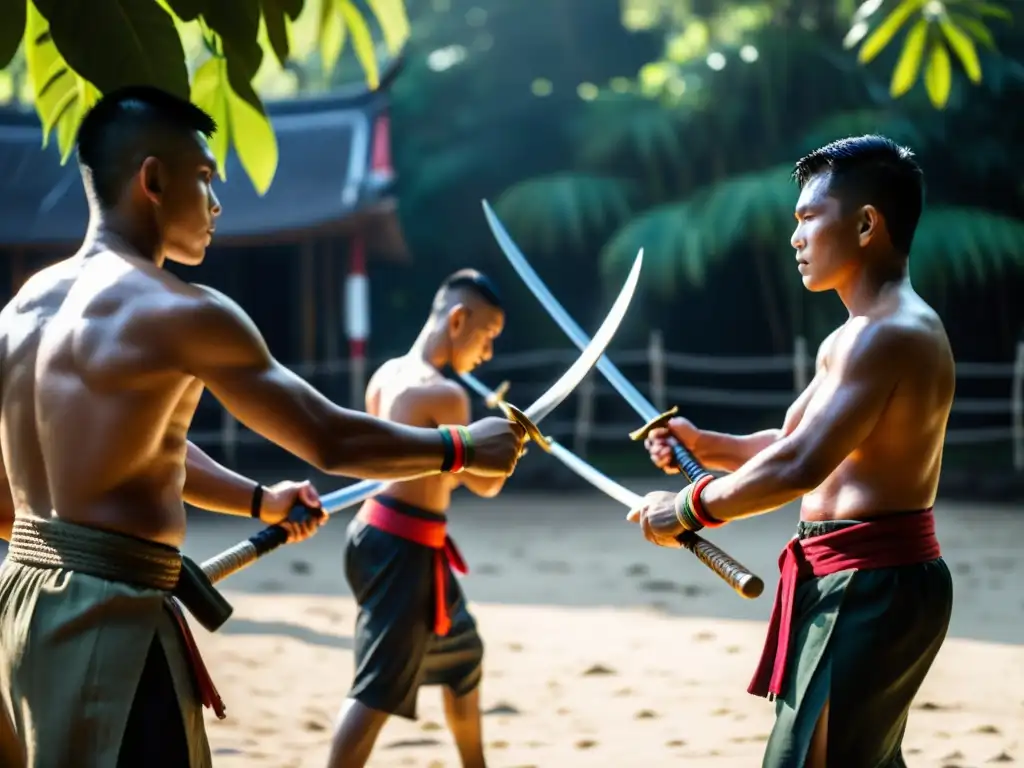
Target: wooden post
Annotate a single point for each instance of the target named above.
(357, 319)
(656, 361)
(307, 300)
(330, 297)
(1017, 407)
(584, 416)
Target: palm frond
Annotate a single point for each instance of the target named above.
(957, 246)
(898, 127)
(630, 129)
(671, 238)
(681, 240)
(565, 211)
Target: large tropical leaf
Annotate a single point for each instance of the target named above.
(684, 239)
(898, 127)
(565, 211)
(957, 246)
(61, 95)
(674, 251)
(619, 128)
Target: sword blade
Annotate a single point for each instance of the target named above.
(644, 408)
(588, 472)
(592, 349)
(740, 578)
(350, 495)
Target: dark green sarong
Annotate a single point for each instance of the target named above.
(88, 641)
(863, 640)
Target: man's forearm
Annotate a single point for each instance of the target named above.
(720, 451)
(774, 477)
(367, 447)
(214, 487)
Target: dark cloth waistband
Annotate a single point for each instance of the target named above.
(427, 529)
(58, 544)
(823, 548)
(99, 553)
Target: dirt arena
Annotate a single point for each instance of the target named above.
(602, 650)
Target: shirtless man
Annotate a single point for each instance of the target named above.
(414, 627)
(103, 358)
(862, 446)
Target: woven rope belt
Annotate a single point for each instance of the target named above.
(105, 555)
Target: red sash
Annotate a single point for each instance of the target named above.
(426, 533)
(888, 542)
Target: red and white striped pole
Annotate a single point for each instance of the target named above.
(357, 319)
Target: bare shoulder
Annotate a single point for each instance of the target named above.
(825, 349)
(910, 338)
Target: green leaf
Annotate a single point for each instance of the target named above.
(991, 9)
(332, 36)
(237, 24)
(61, 96)
(186, 10)
(12, 29)
(885, 31)
(254, 140)
(209, 92)
(976, 29)
(964, 245)
(938, 75)
(277, 29)
(394, 23)
(909, 64)
(964, 49)
(362, 41)
(129, 43)
(241, 83)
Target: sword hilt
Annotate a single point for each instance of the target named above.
(660, 420)
(532, 430)
(498, 395)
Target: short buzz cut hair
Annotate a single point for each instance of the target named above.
(470, 280)
(126, 126)
(871, 170)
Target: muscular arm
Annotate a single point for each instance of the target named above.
(214, 487)
(450, 405)
(215, 340)
(854, 395)
(720, 451)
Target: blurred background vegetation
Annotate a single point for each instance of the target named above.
(596, 127)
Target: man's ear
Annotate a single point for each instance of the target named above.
(151, 179)
(457, 317)
(870, 225)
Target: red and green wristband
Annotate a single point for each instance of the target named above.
(458, 448)
(690, 512)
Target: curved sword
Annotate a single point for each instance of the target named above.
(644, 408)
(270, 538)
(592, 351)
(723, 565)
(739, 578)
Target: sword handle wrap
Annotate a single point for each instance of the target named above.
(247, 552)
(731, 571)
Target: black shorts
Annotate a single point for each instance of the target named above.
(396, 650)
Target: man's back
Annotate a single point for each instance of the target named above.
(406, 390)
(896, 467)
(94, 418)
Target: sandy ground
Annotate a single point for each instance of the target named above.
(585, 624)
